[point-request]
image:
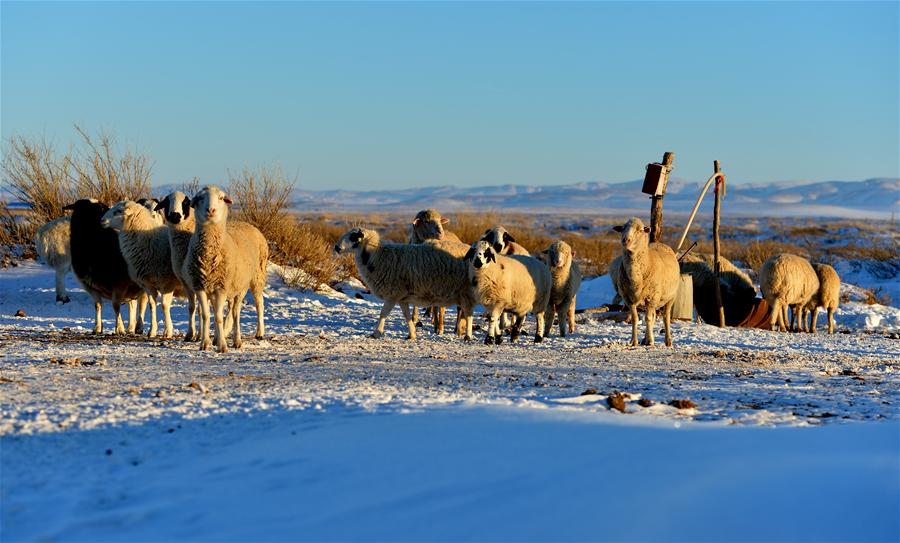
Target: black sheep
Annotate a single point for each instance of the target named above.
(98, 263)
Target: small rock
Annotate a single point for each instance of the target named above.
(589, 392)
(849, 372)
(683, 404)
(108, 452)
(645, 402)
(20, 313)
(616, 401)
(230, 374)
(160, 393)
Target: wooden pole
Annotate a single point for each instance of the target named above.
(656, 201)
(716, 250)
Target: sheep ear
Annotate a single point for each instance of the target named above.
(416, 221)
(195, 200)
(618, 228)
(186, 208)
(355, 237)
(507, 238)
(228, 200)
(545, 251)
(646, 229)
(444, 220)
(470, 255)
(573, 253)
(162, 205)
(490, 255)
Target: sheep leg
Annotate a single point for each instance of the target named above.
(516, 328)
(98, 323)
(132, 312)
(415, 315)
(460, 322)
(548, 320)
(236, 304)
(385, 311)
(260, 313)
(410, 322)
(203, 300)
(468, 316)
(141, 309)
(813, 320)
(219, 302)
(538, 336)
(493, 332)
(117, 309)
(153, 317)
(564, 317)
(667, 319)
(61, 295)
(830, 320)
(191, 334)
(571, 315)
(634, 325)
(167, 316)
(651, 319)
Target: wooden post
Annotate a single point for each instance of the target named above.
(716, 251)
(656, 201)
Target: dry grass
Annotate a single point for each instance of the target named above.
(304, 250)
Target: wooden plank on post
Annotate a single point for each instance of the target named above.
(656, 201)
(716, 250)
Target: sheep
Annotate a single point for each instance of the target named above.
(52, 244)
(565, 282)
(152, 204)
(827, 296)
(738, 292)
(429, 224)
(401, 273)
(145, 245)
(176, 209)
(223, 262)
(786, 280)
(649, 277)
(502, 242)
(517, 284)
(99, 266)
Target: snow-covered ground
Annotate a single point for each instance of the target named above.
(320, 433)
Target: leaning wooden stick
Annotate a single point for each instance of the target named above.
(716, 251)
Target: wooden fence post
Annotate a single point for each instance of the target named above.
(716, 250)
(656, 200)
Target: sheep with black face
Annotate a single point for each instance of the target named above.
(503, 242)
(516, 284)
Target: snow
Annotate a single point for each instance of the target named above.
(320, 433)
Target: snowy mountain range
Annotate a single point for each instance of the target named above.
(877, 198)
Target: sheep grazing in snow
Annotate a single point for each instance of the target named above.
(401, 273)
(738, 292)
(152, 205)
(517, 284)
(99, 266)
(52, 244)
(429, 224)
(565, 282)
(828, 296)
(502, 242)
(145, 246)
(648, 278)
(222, 263)
(787, 280)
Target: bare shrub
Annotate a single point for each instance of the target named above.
(36, 174)
(107, 175)
(262, 196)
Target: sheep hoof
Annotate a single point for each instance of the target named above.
(668, 343)
(468, 338)
(238, 344)
(488, 340)
(513, 337)
(410, 337)
(62, 299)
(498, 339)
(538, 338)
(189, 336)
(376, 335)
(260, 336)
(205, 345)
(222, 348)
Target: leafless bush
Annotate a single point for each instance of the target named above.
(107, 175)
(36, 174)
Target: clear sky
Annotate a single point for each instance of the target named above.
(389, 95)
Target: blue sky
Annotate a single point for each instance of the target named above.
(388, 95)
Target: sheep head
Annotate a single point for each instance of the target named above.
(558, 255)
(481, 255)
(354, 239)
(635, 236)
(499, 238)
(176, 207)
(211, 205)
(429, 224)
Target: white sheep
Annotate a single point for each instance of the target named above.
(786, 280)
(565, 282)
(52, 244)
(222, 263)
(402, 273)
(502, 242)
(517, 284)
(649, 278)
(145, 246)
(176, 209)
(429, 224)
(828, 296)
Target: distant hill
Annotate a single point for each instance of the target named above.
(877, 198)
